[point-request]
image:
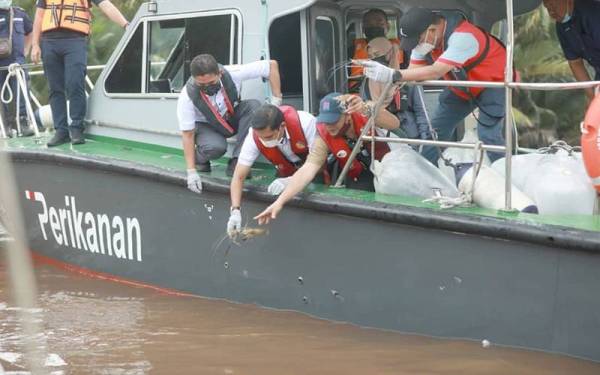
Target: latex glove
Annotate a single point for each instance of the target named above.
(275, 100)
(194, 183)
(278, 186)
(235, 222)
(377, 72)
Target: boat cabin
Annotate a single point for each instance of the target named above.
(312, 41)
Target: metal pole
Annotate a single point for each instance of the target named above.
(426, 142)
(508, 110)
(370, 125)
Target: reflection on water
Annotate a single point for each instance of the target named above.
(100, 327)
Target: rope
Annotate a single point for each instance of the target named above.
(16, 70)
(465, 199)
(434, 136)
(557, 146)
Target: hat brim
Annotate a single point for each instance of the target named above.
(408, 43)
(328, 118)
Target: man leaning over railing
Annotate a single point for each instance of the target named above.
(447, 45)
(578, 30)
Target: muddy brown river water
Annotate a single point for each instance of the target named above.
(95, 326)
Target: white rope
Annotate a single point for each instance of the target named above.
(465, 199)
(16, 70)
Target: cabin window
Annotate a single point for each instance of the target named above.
(325, 56)
(125, 76)
(285, 47)
(159, 62)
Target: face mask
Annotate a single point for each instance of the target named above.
(425, 48)
(381, 59)
(271, 144)
(212, 89)
(374, 32)
(5, 4)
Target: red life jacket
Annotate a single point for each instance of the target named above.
(488, 65)
(297, 139)
(341, 150)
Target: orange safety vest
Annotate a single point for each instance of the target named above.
(341, 150)
(297, 139)
(67, 14)
(360, 53)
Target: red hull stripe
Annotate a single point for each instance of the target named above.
(38, 258)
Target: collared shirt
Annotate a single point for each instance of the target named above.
(187, 113)
(22, 26)
(250, 152)
(62, 33)
(580, 37)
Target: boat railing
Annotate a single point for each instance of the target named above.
(509, 84)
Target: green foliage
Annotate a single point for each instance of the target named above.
(544, 116)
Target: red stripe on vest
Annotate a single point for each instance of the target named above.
(340, 149)
(490, 69)
(216, 113)
(297, 140)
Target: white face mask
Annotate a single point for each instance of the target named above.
(271, 143)
(425, 48)
(5, 4)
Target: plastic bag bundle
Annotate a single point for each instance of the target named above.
(406, 173)
(558, 183)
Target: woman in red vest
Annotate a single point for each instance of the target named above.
(444, 44)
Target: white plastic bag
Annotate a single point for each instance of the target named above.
(406, 173)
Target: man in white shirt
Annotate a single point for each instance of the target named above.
(209, 111)
(283, 136)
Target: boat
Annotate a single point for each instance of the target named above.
(118, 206)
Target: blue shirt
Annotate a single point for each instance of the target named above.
(22, 26)
(580, 37)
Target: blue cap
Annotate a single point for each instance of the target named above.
(330, 109)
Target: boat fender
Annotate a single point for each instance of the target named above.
(590, 142)
(489, 191)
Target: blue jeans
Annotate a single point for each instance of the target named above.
(65, 64)
(452, 110)
(13, 86)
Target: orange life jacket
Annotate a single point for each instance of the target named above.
(67, 14)
(360, 53)
(297, 139)
(341, 150)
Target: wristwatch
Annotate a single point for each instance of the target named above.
(397, 76)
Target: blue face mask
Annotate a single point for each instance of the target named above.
(566, 18)
(5, 4)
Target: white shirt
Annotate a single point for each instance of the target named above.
(188, 115)
(250, 152)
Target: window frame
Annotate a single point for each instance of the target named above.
(235, 55)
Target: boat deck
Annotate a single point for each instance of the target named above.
(172, 160)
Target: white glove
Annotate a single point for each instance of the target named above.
(278, 186)
(377, 72)
(194, 183)
(235, 222)
(275, 100)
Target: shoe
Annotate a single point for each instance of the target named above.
(231, 168)
(26, 130)
(203, 167)
(77, 137)
(58, 139)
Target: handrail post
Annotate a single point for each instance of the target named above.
(508, 79)
(370, 125)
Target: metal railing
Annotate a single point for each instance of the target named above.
(508, 85)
